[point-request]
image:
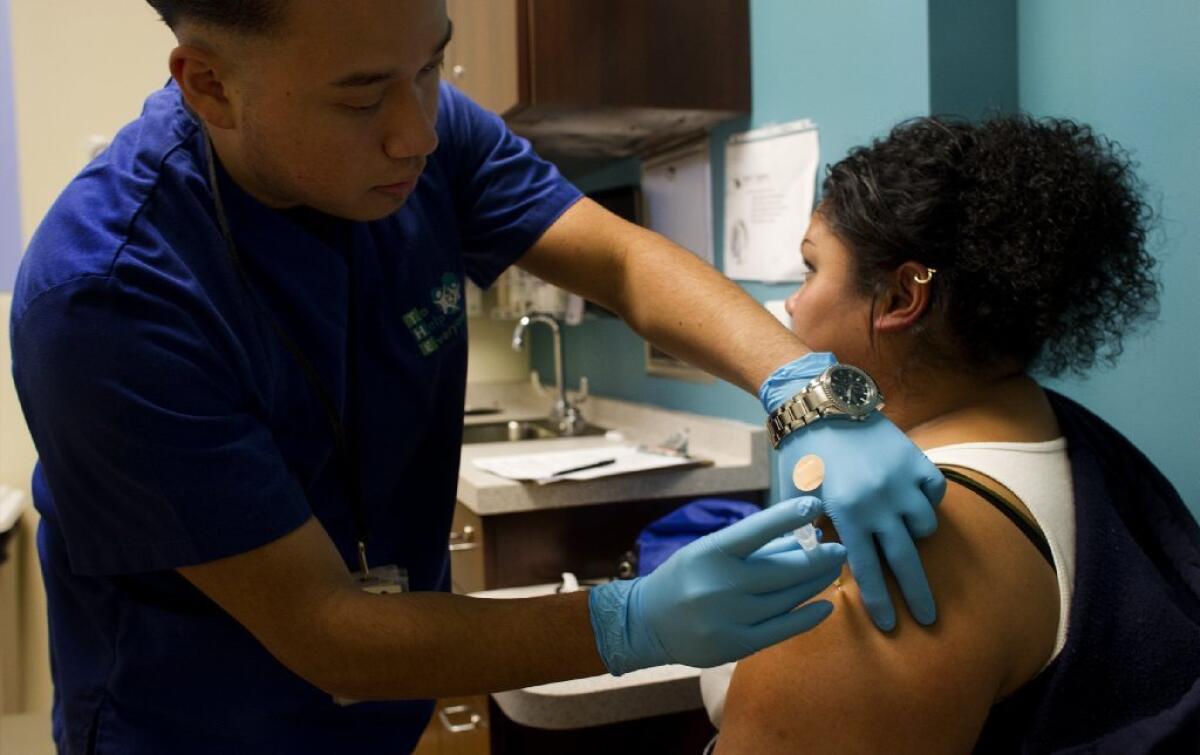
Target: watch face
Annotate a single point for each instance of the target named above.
(852, 388)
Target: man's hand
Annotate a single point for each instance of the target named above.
(720, 598)
(878, 489)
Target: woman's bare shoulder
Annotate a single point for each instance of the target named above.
(846, 687)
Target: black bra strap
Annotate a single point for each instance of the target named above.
(991, 496)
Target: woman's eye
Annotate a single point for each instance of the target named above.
(434, 66)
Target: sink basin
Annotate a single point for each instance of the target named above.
(536, 429)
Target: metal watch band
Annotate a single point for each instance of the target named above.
(791, 415)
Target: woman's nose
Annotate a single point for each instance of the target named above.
(789, 304)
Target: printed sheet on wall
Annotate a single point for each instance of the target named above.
(770, 184)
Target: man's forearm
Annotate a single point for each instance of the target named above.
(686, 308)
(437, 645)
(297, 598)
(666, 294)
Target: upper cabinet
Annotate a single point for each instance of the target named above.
(482, 58)
(603, 77)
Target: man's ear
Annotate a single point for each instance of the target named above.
(907, 298)
(204, 84)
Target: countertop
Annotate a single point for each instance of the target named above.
(597, 700)
(739, 452)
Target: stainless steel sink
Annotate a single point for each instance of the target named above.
(538, 429)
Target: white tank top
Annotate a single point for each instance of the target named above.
(1039, 474)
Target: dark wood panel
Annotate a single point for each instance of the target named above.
(686, 54)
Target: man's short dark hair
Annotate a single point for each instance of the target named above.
(248, 16)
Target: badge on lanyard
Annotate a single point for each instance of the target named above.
(382, 580)
(379, 580)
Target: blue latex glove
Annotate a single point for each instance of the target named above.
(716, 599)
(878, 488)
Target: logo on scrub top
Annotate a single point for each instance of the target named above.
(434, 327)
(448, 296)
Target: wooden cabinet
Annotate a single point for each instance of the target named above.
(604, 77)
(482, 59)
(467, 567)
(536, 547)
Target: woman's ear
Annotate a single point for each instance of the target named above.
(907, 298)
(198, 73)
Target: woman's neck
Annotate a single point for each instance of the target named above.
(937, 407)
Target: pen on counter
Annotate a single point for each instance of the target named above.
(593, 465)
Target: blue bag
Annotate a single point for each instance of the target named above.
(689, 522)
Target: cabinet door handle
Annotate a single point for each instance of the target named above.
(459, 71)
(465, 540)
(472, 722)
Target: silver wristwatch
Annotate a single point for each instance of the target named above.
(840, 391)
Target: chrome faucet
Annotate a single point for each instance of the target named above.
(564, 412)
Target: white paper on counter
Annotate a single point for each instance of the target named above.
(770, 184)
(541, 467)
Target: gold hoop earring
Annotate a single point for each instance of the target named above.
(929, 271)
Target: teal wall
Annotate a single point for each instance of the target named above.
(10, 207)
(857, 67)
(972, 56)
(1132, 70)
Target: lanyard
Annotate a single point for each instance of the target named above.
(341, 441)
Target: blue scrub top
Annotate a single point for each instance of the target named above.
(174, 428)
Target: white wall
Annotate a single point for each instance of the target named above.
(82, 67)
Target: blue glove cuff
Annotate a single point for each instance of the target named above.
(781, 384)
(624, 643)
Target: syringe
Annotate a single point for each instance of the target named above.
(807, 535)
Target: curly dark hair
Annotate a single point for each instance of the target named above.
(248, 16)
(1037, 229)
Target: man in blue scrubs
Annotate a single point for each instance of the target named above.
(239, 342)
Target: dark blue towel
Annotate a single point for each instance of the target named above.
(689, 522)
(1128, 678)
